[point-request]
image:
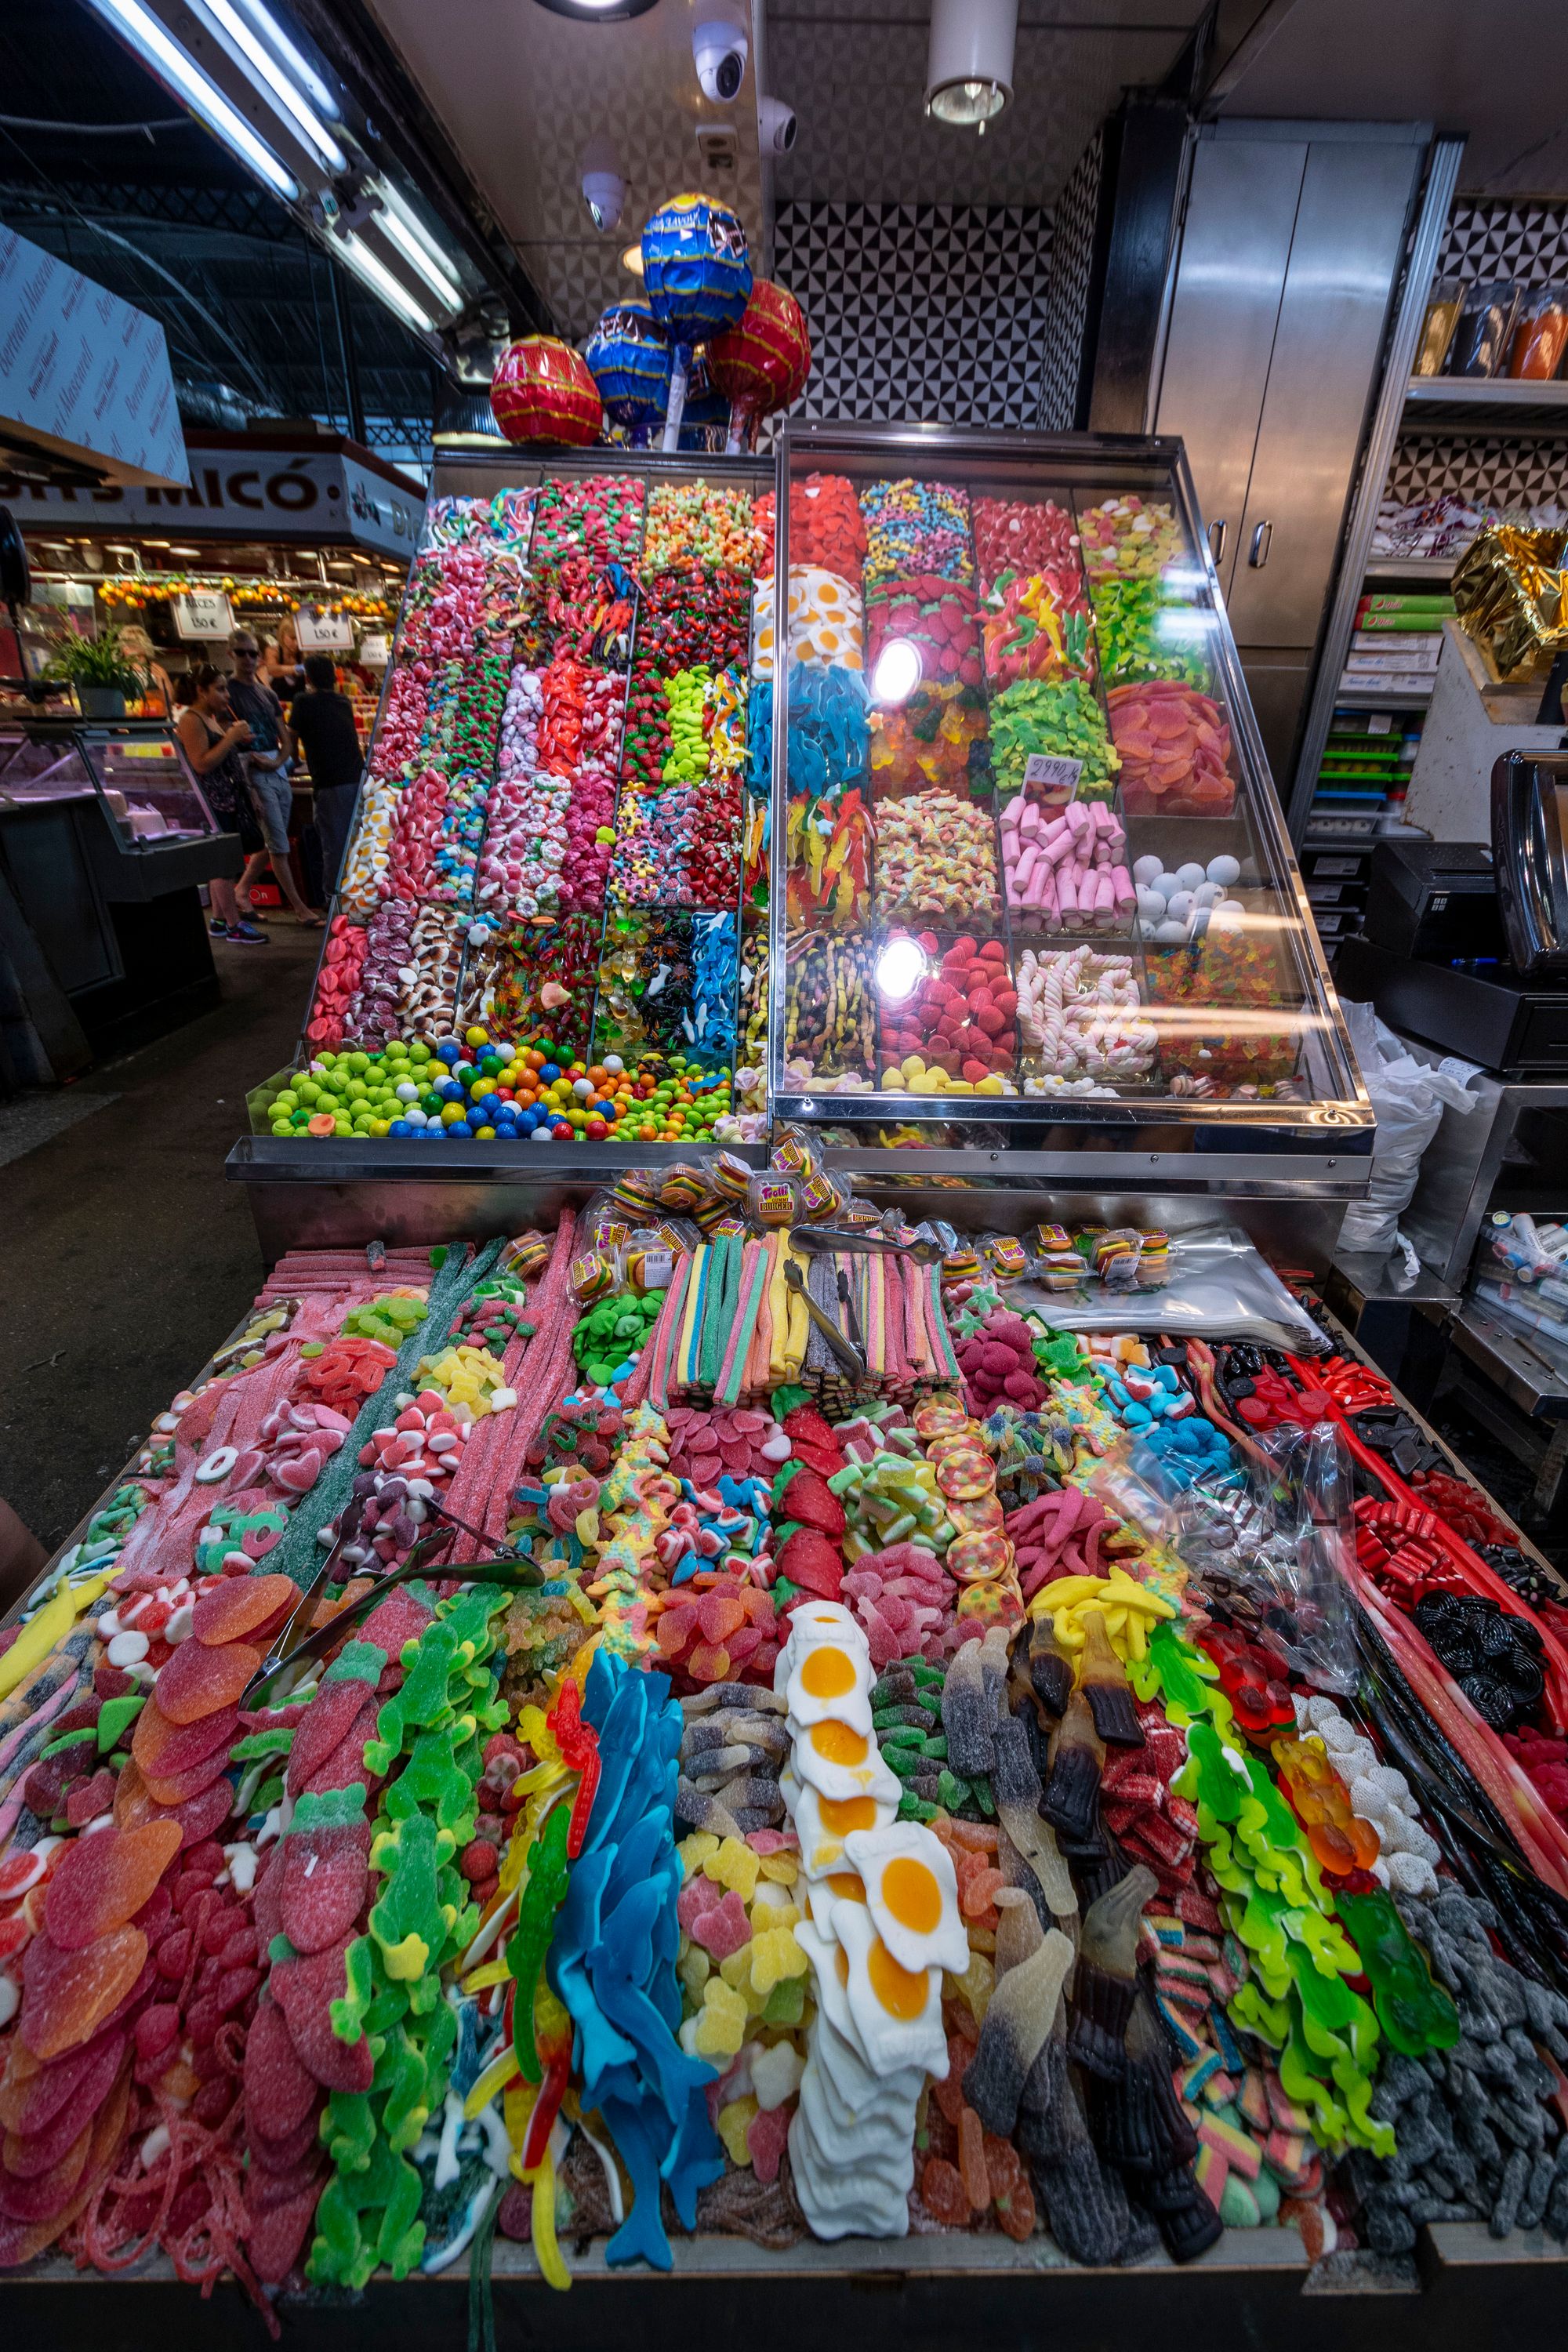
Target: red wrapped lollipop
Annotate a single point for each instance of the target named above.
(761, 363)
(542, 390)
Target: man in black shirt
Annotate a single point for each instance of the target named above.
(323, 721)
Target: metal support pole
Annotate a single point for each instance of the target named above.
(342, 318)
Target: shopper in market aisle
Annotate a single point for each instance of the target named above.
(213, 740)
(267, 763)
(281, 669)
(158, 701)
(323, 720)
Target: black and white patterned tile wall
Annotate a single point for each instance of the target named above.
(1067, 295)
(1492, 238)
(920, 312)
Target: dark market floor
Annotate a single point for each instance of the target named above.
(128, 1257)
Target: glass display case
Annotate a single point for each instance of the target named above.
(134, 768)
(1030, 872)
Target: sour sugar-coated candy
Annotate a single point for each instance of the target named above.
(241, 1605)
(102, 1881)
(166, 1748)
(65, 1996)
(198, 1681)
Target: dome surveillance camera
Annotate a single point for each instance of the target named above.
(720, 49)
(604, 184)
(776, 126)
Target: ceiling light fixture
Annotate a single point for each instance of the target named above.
(598, 12)
(267, 77)
(304, 71)
(380, 279)
(417, 247)
(138, 25)
(969, 70)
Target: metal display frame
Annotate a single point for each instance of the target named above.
(1267, 1141)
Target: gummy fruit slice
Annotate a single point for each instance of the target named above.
(102, 1881)
(26, 2157)
(164, 1748)
(242, 1605)
(179, 1788)
(46, 2193)
(198, 1681)
(65, 1996)
(303, 1990)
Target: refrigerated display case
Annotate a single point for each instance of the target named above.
(105, 834)
(1032, 883)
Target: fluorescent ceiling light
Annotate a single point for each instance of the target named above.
(417, 245)
(304, 71)
(274, 85)
(203, 97)
(376, 276)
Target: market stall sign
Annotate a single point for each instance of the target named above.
(84, 376)
(205, 613)
(323, 633)
(374, 649)
(239, 493)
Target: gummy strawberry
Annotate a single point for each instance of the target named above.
(326, 1871)
(280, 2092)
(807, 1498)
(304, 1989)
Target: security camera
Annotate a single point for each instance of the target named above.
(776, 126)
(604, 188)
(720, 49)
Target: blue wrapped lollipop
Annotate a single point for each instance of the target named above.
(705, 421)
(628, 359)
(698, 274)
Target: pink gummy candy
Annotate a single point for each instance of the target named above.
(766, 2135)
(724, 1927)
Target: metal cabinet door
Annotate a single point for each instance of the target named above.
(1230, 280)
(1344, 262)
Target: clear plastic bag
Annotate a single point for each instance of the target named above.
(1220, 1289)
(1263, 1545)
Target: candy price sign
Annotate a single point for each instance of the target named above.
(204, 613)
(1056, 775)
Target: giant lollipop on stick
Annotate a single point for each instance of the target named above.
(542, 391)
(629, 361)
(699, 278)
(763, 361)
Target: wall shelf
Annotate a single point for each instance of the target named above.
(1484, 404)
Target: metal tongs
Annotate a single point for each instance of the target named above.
(849, 1357)
(516, 1573)
(822, 1240)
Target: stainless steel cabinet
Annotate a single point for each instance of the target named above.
(1291, 250)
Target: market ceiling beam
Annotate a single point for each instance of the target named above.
(335, 137)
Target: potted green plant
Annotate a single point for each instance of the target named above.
(101, 674)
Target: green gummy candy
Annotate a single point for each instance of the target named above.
(785, 2005)
(115, 1717)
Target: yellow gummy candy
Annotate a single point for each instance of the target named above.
(784, 1869)
(694, 1968)
(775, 1956)
(975, 1986)
(734, 2122)
(721, 2027)
(696, 1848)
(735, 1968)
(733, 1864)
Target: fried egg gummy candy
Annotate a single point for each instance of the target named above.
(883, 1921)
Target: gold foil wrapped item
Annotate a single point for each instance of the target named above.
(1511, 593)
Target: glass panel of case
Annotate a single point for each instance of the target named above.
(1030, 848)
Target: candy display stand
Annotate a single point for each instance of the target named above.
(1227, 1069)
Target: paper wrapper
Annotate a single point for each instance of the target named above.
(1511, 593)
